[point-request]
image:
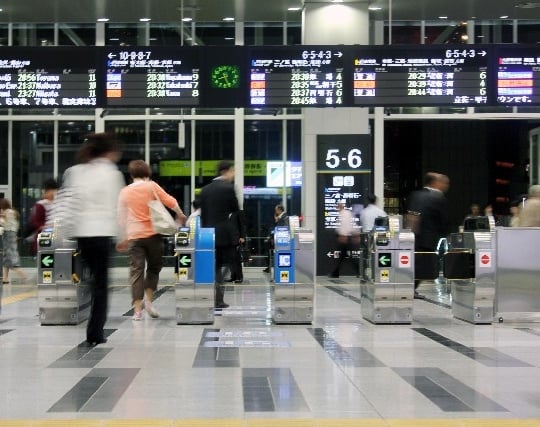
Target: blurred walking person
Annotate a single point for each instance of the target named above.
(9, 221)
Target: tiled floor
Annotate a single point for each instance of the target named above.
(244, 371)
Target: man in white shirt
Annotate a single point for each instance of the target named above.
(370, 213)
(345, 234)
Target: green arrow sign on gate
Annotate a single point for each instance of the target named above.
(184, 260)
(47, 261)
(385, 259)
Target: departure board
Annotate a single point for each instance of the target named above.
(296, 76)
(48, 77)
(423, 76)
(152, 77)
(518, 75)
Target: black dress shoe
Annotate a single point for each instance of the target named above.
(94, 342)
(333, 276)
(266, 270)
(222, 305)
(239, 281)
(418, 296)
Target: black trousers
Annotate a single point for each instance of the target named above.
(237, 272)
(224, 260)
(95, 252)
(345, 248)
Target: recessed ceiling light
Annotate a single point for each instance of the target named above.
(114, 39)
(1, 10)
(374, 8)
(337, 1)
(229, 38)
(228, 18)
(145, 19)
(294, 9)
(527, 5)
(503, 17)
(443, 17)
(103, 19)
(187, 19)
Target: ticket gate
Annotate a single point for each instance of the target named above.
(387, 287)
(470, 266)
(62, 289)
(195, 286)
(294, 276)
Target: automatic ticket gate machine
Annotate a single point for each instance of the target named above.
(63, 290)
(294, 276)
(470, 266)
(387, 287)
(194, 288)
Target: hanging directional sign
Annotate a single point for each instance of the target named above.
(184, 260)
(385, 259)
(47, 261)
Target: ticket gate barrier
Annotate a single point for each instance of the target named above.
(388, 286)
(62, 288)
(470, 267)
(195, 286)
(294, 276)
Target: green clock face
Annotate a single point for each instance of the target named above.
(225, 77)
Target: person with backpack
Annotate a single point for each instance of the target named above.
(39, 215)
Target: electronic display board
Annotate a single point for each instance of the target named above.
(50, 77)
(423, 76)
(296, 76)
(518, 75)
(152, 76)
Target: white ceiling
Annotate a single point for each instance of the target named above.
(76, 11)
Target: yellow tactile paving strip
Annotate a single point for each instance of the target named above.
(18, 297)
(275, 423)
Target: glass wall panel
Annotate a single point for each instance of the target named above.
(125, 34)
(496, 31)
(403, 33)
(70, 137)
(3, 153)
(167, 34)
(263, 33)
(33, 35)
(4, 32)
(528, 31)
(131, 136)
(76, 34)
(445, 33)
(215, 34)
(33, 163)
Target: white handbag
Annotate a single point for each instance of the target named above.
(162, 220)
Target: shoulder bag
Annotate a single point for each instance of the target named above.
(162, 220)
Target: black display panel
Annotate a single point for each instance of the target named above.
(152, 76)
(50, 77)
(296, 76)
(518, 75)
(423, 76)
(344, 173)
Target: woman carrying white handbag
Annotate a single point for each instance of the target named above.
(143, 243)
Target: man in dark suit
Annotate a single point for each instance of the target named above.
(428, 215)
(218, 204)
(280, 219)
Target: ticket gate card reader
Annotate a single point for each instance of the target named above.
(294, 274)
(388, 291)
(195, 287)
(63, 289)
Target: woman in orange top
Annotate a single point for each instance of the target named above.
(142, 243)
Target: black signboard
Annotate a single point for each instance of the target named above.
(344, 173)
(518, 75)
(296, 76)
(152, 76)
(423, 76)
(50, 77)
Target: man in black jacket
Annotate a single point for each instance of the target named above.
(218, 203)
(428, 215)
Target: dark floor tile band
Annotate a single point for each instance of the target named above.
(350, 356)
(213, 356)
(485, 356)
(529, 331)
(98, 391)
(156, 295)
(271, 389)
(448, 393)
(84, 355)
(5, 331)
(344, 293)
